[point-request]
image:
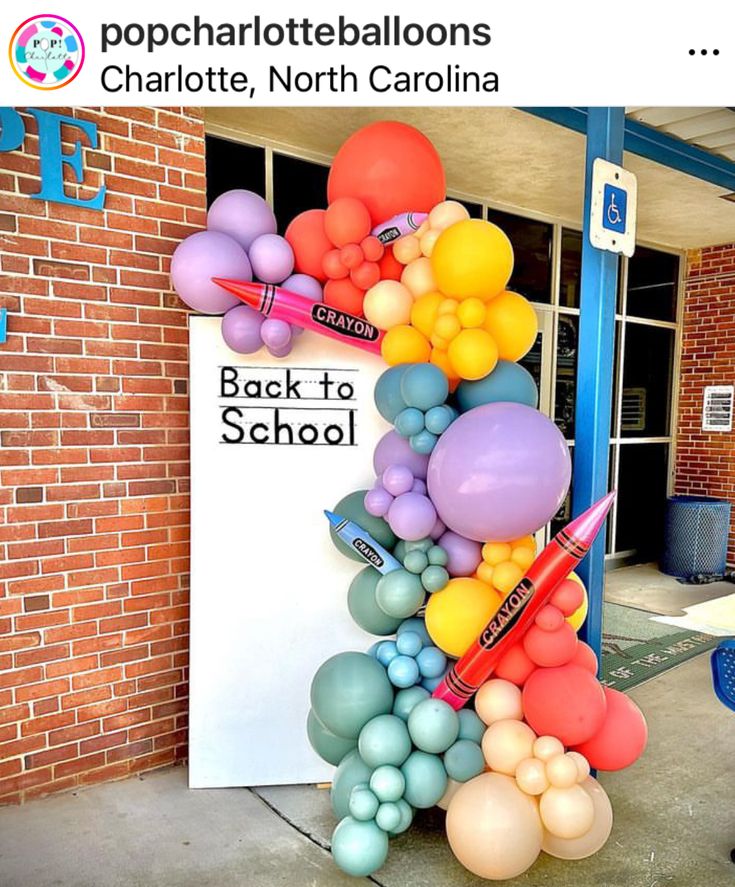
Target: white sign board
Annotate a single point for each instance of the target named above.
(273, 443)
(613, 208)
(717, 407)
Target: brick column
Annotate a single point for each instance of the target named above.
(94, 474)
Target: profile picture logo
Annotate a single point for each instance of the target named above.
(46, 51)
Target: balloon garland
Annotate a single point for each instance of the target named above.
(467, 472)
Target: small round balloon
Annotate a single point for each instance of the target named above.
(241, 328)
(594, 839)
(359, 848)
(352, 771)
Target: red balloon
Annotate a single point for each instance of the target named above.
(343, 294)
(568, 597)
(346, 221)
(351, 256)
(514, 665)
(391, 167)
(390, 267)
(621, 739)
(365, 275)
(372, 248)
(550, 648)
(549, 618)
(567, 702)
(309, 242)
(584, 657)
(333, 265)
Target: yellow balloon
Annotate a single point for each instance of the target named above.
(506, 576)
(406, 249)
(417, 277)
(424, 312)
(447, 213)
(404, 344)
(473, 354)
(512, 322)
(495, 553)
(456, 615)
(471, 313)
(447, 326)
(439, 358)
(472, 258)
(388, 304)
(576, 620)
(523, 556)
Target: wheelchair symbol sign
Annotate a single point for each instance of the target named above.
(614, 208)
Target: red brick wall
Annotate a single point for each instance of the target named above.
(94, 477)
(705, 461)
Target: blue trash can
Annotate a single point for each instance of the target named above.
(695, 537)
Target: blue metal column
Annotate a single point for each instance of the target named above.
(595, 357)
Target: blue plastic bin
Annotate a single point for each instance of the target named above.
(695, 538)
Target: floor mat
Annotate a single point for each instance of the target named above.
(635, 649)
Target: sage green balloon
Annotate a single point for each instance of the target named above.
(400, 593)
(364, 608)
(406, 817)
(363, 803)
(352, 771)
(353, 509)
(470, 725)
(426, 779)
(384, 740)
(387, 783)
(348, 690)
(329, 747)
(359, 848)
(464, 760)
(406, 699)
(388, 816)
(433, 725)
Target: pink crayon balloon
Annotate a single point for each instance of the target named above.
(399, 226)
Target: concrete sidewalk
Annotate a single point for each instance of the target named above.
(674, 822)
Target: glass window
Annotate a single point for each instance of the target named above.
(474, 209)
(298, 185)
(653, 280)
(642, 485)
(532, 250)
(646, 396)
(233, 165)
(571, 268)
(566, 373)
(564, 514)
(532, 361)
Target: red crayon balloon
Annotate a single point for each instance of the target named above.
(519, 609)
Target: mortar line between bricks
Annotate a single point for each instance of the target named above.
(323, 845)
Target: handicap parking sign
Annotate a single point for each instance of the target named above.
(613, 208)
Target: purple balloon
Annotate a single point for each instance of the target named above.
(392, 449)
(304, 285)
(418, 486)
(281, 352)
(464, 554)
(411, 516)
(377, 502)
(197, 260)
(241, 329)
(397, 479)
(438, 529)
(500, 471)
(271, 257)
(276, 333)
(244, 215)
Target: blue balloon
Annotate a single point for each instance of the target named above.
(432, 662)
(423, 442)
(403, 672)
(508, 382)
(388, 397)
(409, 643)
(409, 422)
(386, 652)
(417, 624)
(470, 725)
(424, 385)
(438, 419)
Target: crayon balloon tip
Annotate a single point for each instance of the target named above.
(333, 518)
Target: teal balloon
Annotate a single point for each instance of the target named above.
(359, 848)
(387, 783)
(406, 700)
(399, 552)
(470, 725)
(409, 422)
(403, 672)
(384, 740)
(400, 593)
(352, 508)
(363, 606)
(434, 578)
(363, 803)
(352, 771)
(348, 690)
(438, 419)
(433, 725)
(426, 779)
(464, 760)
(329, 747)
(437, 556)
(424, 385)
(417, 624)
(388, 816)
(388, 397)
(508, 382)
(406, 817)
(416, 561)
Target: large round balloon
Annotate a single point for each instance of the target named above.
(244, 215)
(309, 242)
(567, 702)
(359, 848)
(363, 606)
(328, 746)
(623, 735)
(352, 508)
(508, 382)
(352, 770)
(392, 449)
(391, 167)
(201, 257)
(499, 472)
(595, 838)
(493, 828)
(472, 258)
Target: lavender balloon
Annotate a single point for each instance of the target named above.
(392, 449)
(276, 334)
(411, 516)
(500, 471)
(241, 329)
(306, 286)
(464, 555)
(201, 257)
(244, 215)
(271, 257)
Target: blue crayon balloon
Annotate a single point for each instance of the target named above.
(370, 551)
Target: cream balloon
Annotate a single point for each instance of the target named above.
(406, 249)
(583, 765)
(493, 828)
(567, 812)
(595, 838)
(388, 304)
(545, 747)
(418, 277)
(428, 240)
(452, 788)
(562, 771)
(447, 213)
(498, 700)
(506, 743)
(531, 776)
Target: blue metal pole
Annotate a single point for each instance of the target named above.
(593, 406)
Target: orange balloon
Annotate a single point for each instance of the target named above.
(309, 242)
(366, 274)
(391, 167)
(333, 266)
(343, 294)
(390, 267)
(621, 739)
(346, 220)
